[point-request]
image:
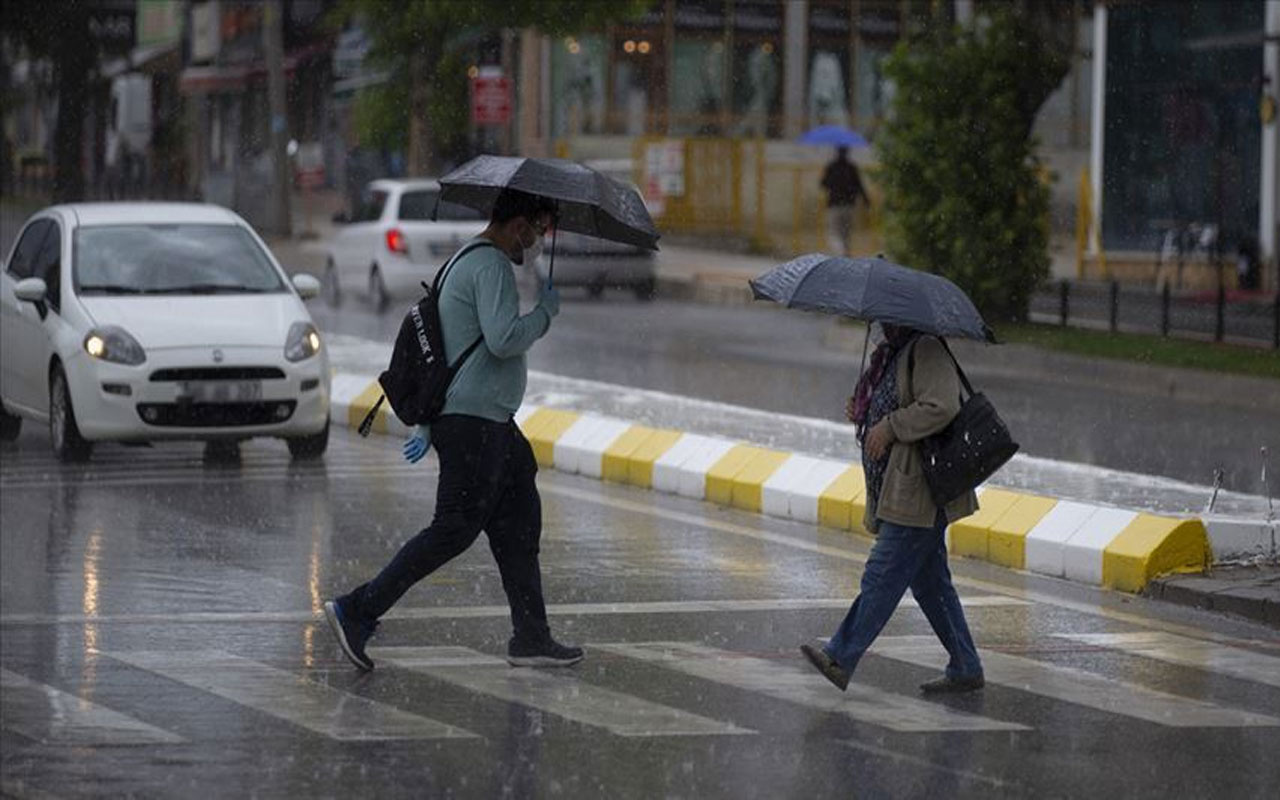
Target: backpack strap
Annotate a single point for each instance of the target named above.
(439, 281)
(366, 424)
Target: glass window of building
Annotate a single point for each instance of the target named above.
(827, 83)
(878, 27)
(637, 83)
(699, 67)
(578, 68)
(756, 85)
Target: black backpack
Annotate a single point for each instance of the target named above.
(418, 377)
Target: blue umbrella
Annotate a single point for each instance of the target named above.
(833, 136)
(874, 289)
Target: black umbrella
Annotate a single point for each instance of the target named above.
(587, 201)
(874, 289)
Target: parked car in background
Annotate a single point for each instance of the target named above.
(598, 264)
(391, 244)
(135, 322)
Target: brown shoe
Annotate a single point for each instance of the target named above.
(947, 685)
(826, 665)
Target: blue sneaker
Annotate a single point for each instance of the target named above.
(352, 634)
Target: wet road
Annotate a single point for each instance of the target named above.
(1173, 423)
(160, 635)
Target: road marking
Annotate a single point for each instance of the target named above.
(284, 695)
(795, 682)
(560, 692)
(51, 716)
(476, 612)
(924, 762)
(1077, 686)
(1185, 651)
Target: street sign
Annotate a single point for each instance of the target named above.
(490, 100)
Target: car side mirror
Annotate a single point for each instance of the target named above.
(341, 218)
(32, 290)
(307, 285)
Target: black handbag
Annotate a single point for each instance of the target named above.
(970, 449)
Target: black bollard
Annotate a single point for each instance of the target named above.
(1064, 290)
(1164, 310)
(1115, 305)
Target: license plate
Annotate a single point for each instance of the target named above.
(220, 391)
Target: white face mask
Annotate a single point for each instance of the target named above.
(528, 253)
(532, 253)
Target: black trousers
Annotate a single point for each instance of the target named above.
(487, 482)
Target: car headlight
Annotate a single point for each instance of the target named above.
(303, 342)
(112, 343)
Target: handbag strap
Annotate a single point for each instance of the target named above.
(911, 367)
(439, 282)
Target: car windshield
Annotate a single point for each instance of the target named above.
(171, 259)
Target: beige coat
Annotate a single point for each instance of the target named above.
(927, 402)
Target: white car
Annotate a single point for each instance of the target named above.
(136, 322)
(391, 245)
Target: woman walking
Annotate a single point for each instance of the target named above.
(911, 390)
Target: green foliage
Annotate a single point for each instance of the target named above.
(381, 116)
(964, 190)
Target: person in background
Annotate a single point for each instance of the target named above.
(843, 183)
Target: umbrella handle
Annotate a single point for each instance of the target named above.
(555, 230)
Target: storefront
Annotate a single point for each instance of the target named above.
(718, 68)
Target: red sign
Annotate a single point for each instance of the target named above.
(490, 100)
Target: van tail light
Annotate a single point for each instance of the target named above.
(396, 242)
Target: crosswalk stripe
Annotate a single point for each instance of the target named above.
(472, 612)
(52, 716)
(562, 693)
(1077, 686)
(317, 708)
(1185, 651)
(796, 683)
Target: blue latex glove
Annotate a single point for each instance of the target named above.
(549, 299)
(417, 445)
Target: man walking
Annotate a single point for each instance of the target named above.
(487, 468)
(844, 186)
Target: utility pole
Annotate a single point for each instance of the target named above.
(278, 210)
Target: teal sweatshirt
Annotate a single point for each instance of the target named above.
(479, 298)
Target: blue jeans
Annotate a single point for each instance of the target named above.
(907, 557)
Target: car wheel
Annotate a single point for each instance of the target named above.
(64, 434)
(10, 425)
(331, 288)
(378, 291)
(645, 290)
(305, 448)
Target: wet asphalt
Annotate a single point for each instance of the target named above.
(161, 636)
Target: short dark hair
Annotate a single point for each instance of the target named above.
(512, 203)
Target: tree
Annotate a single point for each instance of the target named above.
(964, 190)
(421, 43)
(63, 37)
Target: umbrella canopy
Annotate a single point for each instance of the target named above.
(588, 202)
(833, 136)
(874, 289)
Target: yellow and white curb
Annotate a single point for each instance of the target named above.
(1091, 544)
